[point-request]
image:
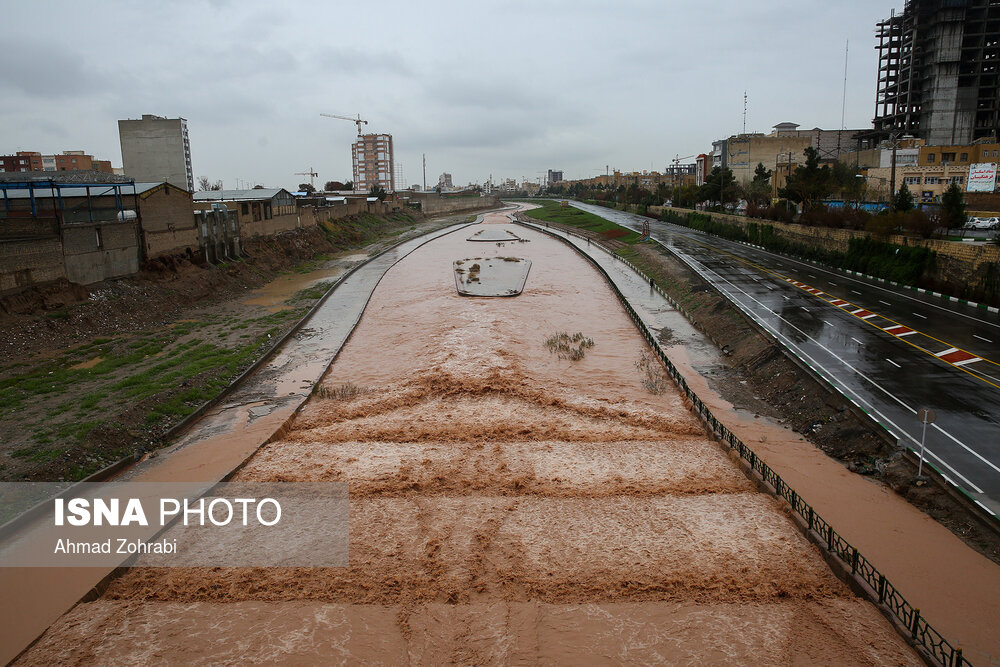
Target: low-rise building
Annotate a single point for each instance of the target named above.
(259, 212)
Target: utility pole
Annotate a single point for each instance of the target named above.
(425, 171)
(892, 173)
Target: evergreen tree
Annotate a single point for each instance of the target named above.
(903, 201)
(953, 206)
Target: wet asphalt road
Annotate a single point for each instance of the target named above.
(891, 351)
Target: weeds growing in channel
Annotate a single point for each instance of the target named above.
(344, 392)
(654, 380)
(569, 347)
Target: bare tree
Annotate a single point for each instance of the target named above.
(205, 184)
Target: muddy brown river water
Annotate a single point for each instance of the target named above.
(507, 506)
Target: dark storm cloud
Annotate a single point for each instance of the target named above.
(507, 88)
(48, 71)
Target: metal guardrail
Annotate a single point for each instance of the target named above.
(879, 589)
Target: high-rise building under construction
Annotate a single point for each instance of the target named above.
(373, 162)
(938, 71)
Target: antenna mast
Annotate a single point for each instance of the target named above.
(744, 112)
(843, 104)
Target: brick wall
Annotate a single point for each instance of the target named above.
(279, 223)
(30, 262)
(168, 224)
(436, 205)
(87, 262)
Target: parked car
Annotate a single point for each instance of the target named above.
(983, 223)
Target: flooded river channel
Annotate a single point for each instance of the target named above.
(508, 505)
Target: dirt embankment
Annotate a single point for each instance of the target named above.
(766, 381)
(90, 375)
(51, 317)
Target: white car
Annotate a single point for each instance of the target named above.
(983, 223)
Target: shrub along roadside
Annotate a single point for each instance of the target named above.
(909, 265)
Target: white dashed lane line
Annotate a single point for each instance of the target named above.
(981, 338)
(855, 292)
(856, 340)
(923, 317)
(885, 302)
(893, 363)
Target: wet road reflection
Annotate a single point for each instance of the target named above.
(885, 375)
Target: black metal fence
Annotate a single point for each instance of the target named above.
(879, 588)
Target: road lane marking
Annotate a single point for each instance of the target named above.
(885, 302)
(856, 292)
(893, 363)
(981, 338)
(897, 333)
(833, 379)
(856, 340)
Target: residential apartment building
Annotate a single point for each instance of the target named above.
(373, 163)
(24, 161)
(444, 182)
(830, 144)
(553, 176)
(157, 149)
(742, 153)
(938, 72)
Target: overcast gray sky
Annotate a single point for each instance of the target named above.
(503, 88)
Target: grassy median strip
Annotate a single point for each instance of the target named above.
(552, 211)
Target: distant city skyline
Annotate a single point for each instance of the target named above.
(512, 90)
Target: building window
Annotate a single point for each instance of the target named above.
(244, 209)
(932, 180)
(912, 180)
(947, 157)
(957, 180)
(931, 157)
(964, 157)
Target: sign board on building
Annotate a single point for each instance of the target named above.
(982, 177)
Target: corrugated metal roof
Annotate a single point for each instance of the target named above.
(77, 191)
(238, 195)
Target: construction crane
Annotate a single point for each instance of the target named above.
(311, 174)
(357, 120)
(677, 168)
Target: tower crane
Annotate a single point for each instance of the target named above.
(357, 120)
(677, 168)
(311, 174)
